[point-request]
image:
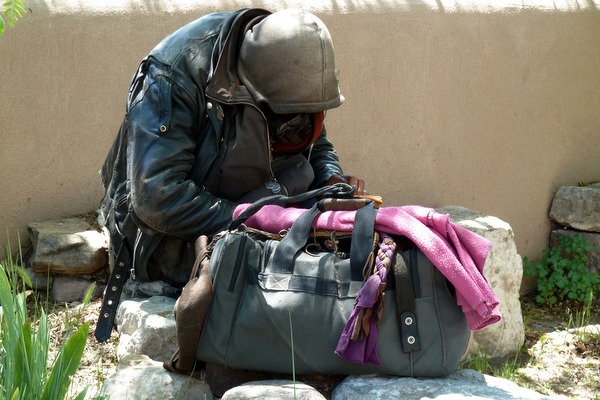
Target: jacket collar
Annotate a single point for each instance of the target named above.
(224, 83)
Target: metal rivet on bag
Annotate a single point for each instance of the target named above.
(408, 321)
(118, 276)
(114, 288)
(105, 315)
(121, 264)
(209, 105)
(110, 302)
(411, 340)
(163, 128)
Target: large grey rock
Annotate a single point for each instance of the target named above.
(276, 390)
(67, 289)
(593, 264)
(39, 281)
(577, 207)
(146, 326)
(67, 247)
(464, 384)
(140, 378)
(504, 271)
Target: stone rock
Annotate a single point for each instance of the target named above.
(577, 207)
(593, 264)
(222, 379)
(147, 326)
(67, 289)
(67, 247)
(463, 384)
(503, 270)
(140, 378)
(39, 281)
(277, 389)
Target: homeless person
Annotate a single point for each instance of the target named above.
(226, 110)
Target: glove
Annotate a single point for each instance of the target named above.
(351, 180)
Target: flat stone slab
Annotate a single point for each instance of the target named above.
(277, 389)
(66, 289)
(577, 207)
(463, 384)
(140, 378)
(67, 247)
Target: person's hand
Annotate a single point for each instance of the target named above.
(351, 180)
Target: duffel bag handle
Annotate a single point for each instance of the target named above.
(337, 191)
(362, 242)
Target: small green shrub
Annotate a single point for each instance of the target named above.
(26, 372)
(561, 272)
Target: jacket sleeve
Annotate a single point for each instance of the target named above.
(164, 124)
(324, 160)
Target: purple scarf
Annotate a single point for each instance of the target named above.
(358, 342)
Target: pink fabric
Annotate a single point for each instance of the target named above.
(458, 253)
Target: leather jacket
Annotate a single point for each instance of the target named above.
(166, 175)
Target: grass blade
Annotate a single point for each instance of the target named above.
(66, 365)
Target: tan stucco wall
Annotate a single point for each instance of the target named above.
(483, 105)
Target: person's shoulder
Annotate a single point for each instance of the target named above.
(206, 26)
(196, 37)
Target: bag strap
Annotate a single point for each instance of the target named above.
(338, 190)
(405, 302)
(361, 246)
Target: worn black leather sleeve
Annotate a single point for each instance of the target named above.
(324, 160)
(165, 126)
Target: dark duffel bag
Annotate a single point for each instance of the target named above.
(282, 305)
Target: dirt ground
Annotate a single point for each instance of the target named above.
(559, 358)
(561, 354)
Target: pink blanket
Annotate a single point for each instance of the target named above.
(458, 253)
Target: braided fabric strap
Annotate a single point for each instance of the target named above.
(358, 341)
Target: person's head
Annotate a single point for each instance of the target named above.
(286, 61)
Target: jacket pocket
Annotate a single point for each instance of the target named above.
(164, 103)
(151, 107)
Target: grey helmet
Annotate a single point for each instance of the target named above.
(287, 61)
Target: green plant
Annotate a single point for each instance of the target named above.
(506, 368)
(25, 369)
(562, 273)
(581, 322)
(13, 10)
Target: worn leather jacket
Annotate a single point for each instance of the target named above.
(170, 175)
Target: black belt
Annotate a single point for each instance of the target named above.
(112, 294)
